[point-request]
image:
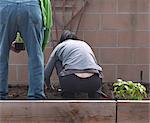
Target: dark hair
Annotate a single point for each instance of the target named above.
(67, 35)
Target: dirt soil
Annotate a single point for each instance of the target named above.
(20, 92)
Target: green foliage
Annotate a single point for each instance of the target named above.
(129, 90)
(19, 38)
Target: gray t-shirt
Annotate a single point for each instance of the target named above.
(75, 56)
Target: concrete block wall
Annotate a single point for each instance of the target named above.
(118, 32)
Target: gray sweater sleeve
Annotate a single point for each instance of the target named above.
(50, 66)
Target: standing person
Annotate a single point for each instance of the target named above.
(76, 67)
(25, 17)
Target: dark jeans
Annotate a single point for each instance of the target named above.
(72, 84)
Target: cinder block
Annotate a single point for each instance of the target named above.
(117, 22)
(116, 55)
(90, 22)
(102, 6)
(101, 38)
(22, 72)
(12, 73)
(133, 5)
(18, 58)
(132, 72)
(109, 72)
(133, 39)
(141, 55)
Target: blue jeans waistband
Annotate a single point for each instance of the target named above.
(19, 1)
(16, 2)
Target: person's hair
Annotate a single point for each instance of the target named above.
(67, 35)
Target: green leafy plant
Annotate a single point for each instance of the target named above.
(19, 44)
(18, 38)
(129, 90)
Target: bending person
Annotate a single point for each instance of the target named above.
(78, 69)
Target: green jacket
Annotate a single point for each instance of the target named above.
(47, 20)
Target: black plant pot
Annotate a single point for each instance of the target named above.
(19, 46)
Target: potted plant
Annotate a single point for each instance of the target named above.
(128, 90)
(19, 44)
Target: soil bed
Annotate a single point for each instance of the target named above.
(20, 92)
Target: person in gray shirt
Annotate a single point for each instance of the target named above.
(76, 67)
